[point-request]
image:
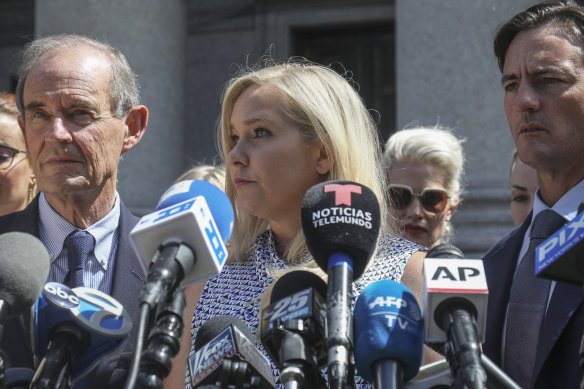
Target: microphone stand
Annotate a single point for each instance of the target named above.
(163, 343)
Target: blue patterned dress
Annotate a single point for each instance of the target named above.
(238, 289)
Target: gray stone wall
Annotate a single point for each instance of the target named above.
(447, 73)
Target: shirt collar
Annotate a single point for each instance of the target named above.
(567, 205)
(53, 229)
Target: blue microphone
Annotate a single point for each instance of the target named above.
(389, 334)
(217, 201)
(560, 257)
(74, 329)
(183, 241)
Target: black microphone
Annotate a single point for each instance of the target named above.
(24, 261)
(227, 357)
(455, 298)
(341, 222)
(293, 329)
(560, 256)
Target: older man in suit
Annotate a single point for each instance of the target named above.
(534, 326)
(79, 112)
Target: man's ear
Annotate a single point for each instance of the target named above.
(136, 121)
(323, 162)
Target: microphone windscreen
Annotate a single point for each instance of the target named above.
(296, 281)
(217, 200)
(445, 250)
(388, 325)
(341, 216)
(24, 261)
(217, 324)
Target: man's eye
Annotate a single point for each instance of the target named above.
(510, 86)
(39, 114)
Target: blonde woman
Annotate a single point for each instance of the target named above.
(424, 166)
(283, 129)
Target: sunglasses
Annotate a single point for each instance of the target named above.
(7, 155)
(432, 200)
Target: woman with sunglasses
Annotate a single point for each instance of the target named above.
(425, 167)
(17, 182)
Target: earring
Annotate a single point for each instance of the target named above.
(447, 232)
(31, 189)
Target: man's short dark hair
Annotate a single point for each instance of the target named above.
(565, 14)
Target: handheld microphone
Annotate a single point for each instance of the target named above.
(227, 355)
(389, 334)
(24, 261)
(341, 222)
(455, 297)
(184, 238)
(73, 330)
(560, 256)
(293, 329)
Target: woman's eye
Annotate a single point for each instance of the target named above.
(520, 199)
(234, 139)
(260, 132)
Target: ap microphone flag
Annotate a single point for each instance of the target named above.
(450, 280)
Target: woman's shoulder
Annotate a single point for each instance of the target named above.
(390, 260)
(390, 246)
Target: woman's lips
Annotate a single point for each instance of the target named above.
(412, 229)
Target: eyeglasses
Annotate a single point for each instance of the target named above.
(432, 200)
(7, 154)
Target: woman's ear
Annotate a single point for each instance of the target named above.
(452, 206)
(323, 163)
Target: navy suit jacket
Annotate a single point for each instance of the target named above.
(127, 283)
(557, 363)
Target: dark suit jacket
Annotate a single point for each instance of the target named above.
(557, 360)
(127, 283)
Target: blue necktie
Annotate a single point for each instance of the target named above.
(527, 303)
(79, 244)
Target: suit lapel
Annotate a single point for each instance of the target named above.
(500, 264)
(564, 302)
(129, 274)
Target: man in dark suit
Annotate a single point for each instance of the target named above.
(79, 112)
(540, 54)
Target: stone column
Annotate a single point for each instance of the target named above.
(447, 73)
(152, 35)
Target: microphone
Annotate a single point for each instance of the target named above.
(560, 256)
(73, 330)
(293, 329)
(389, 334)
(227, 356)
(455, 296)
(24, 261)
(340, 222)
(184, 237)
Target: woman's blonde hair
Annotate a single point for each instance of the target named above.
(324, 106)
(435, 145)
